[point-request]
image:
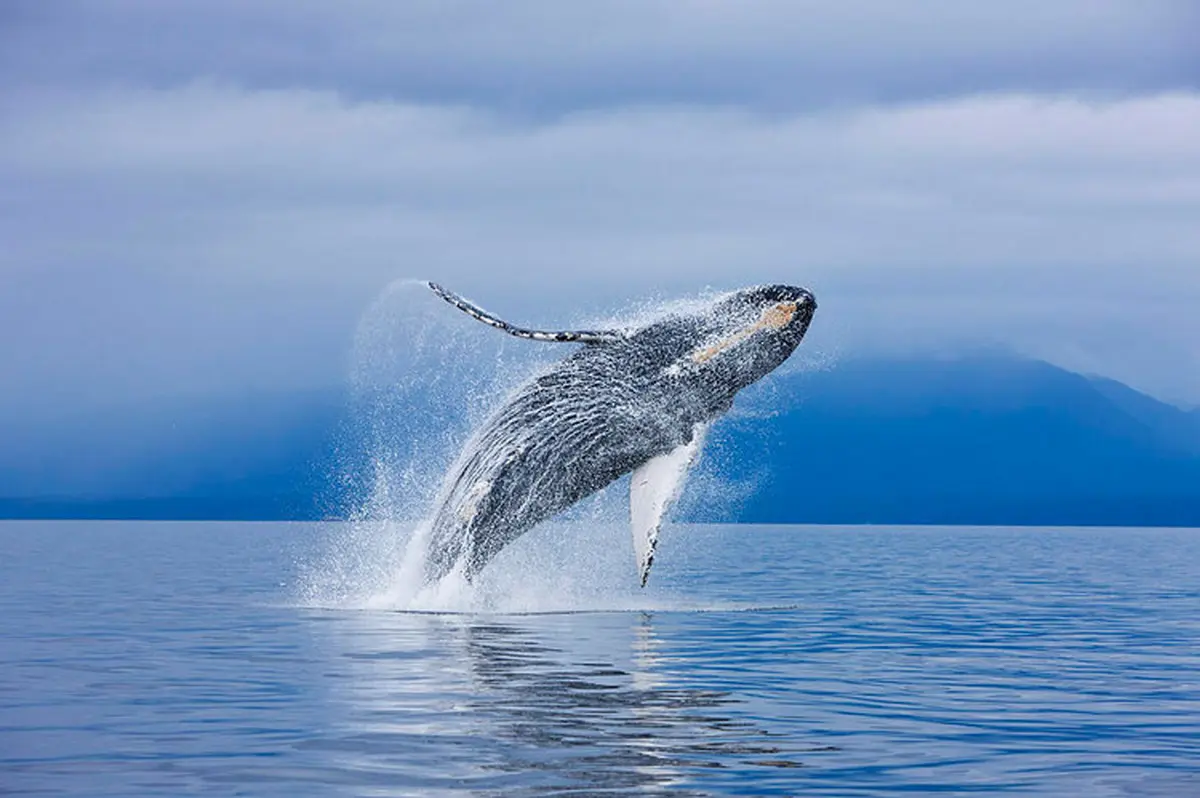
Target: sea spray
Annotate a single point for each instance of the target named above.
(420, 380)
(423, 383)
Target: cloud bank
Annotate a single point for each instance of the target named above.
(202, 197)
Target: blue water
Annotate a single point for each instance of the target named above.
(172, 659)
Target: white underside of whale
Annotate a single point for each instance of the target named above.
(655, 486)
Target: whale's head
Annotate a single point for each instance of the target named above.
(750, 333)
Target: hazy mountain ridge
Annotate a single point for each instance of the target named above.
(982, 440)
(253, 456)
(986, 440)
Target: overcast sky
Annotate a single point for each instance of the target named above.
(203, 197)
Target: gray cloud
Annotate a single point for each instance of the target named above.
(195, 236)
(203, 196)
(547, 56)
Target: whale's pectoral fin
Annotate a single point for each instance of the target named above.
(561, 336)
(655, 486)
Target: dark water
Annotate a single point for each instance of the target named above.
(171, 659)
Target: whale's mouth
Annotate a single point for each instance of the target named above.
(786, 305)
(806, 306)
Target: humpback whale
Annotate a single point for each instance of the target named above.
(634, 400)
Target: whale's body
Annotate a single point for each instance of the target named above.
(629, 400)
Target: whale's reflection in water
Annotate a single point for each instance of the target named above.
(598, 724)
(535, 704)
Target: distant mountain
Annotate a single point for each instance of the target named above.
(980, 440)
(260, 456)
(983, 440)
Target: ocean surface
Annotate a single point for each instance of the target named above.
(276, 660)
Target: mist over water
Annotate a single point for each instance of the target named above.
(421, 377)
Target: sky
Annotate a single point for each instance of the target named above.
(202, 197)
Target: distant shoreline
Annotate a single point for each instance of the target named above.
(159, 510)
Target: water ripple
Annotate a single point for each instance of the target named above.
(150, 659)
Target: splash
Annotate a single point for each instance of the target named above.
(420, 379)
(424, 381)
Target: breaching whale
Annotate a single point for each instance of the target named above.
(628, 401)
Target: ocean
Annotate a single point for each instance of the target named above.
(264, 659)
